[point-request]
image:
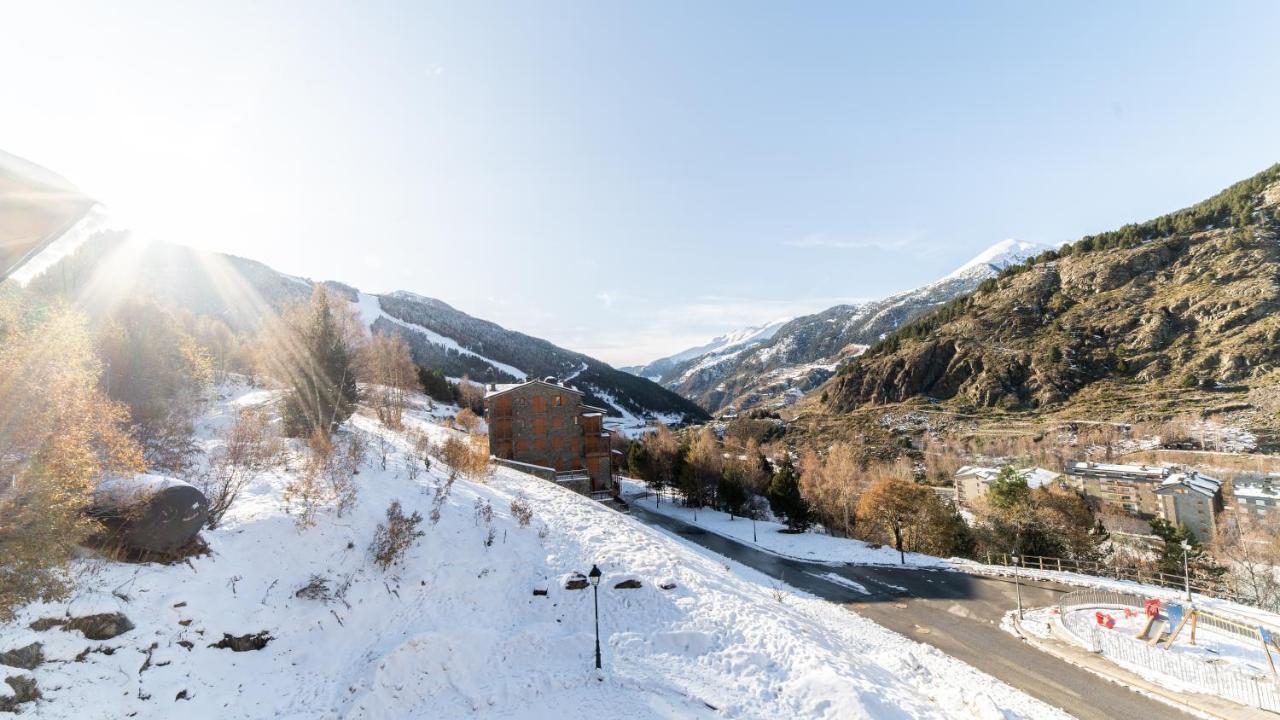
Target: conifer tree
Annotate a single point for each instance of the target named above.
(785, 498)
(317, 359)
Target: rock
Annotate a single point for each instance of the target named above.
(46, 623)
(628, 584)
(541, 592)
(103, 626)
(243, 643)
(26, 658)
(576, 581)
(667, 585)
(24, 691)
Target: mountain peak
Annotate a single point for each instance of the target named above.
(1000, 255)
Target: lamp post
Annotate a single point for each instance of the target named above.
(594, 577)
(1017, 582)
(1186, 568)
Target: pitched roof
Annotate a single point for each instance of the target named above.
(508, 387)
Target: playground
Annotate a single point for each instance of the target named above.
(1177, 645)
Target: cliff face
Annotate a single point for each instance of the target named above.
(1189, 301)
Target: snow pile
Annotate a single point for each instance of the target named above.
(458, 630)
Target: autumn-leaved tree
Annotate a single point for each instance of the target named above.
(59, 434)
(389, 376)
(160, 372)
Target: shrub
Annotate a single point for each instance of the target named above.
(248, 448)
(521, 510)
(394, 537)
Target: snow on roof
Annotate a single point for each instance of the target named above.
(1263, 490)
(498, 389)
(1152, 471)
(1035, 477)
(1202, 484)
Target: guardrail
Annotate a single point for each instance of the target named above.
(1204, 586)
(1234, 684)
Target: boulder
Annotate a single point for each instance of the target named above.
(26, 658)
(24, 691)
(576, 581)
(668, 585)
(150, 512)
(103, 626)
(628, 584)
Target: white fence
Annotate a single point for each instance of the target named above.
(1259, 691)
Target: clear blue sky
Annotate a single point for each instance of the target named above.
(630, 179)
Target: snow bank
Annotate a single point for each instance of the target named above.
(768, 535)
(457, 630)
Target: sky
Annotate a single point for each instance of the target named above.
(630, 179)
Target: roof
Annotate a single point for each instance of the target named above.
(1153, 472)
(1202, 484)
(1264, 490)
(499, 389)
(1035, 477)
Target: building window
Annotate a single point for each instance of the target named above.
(559, 401)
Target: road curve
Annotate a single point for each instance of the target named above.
(955, 612)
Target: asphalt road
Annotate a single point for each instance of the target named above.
(955, 612)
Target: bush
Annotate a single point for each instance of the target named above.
(469, 456)
(394, 537)
(522, 511)
(467, 421)
(248, 449)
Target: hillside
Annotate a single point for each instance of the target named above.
(1172, 315)
(242, 292)
(804, 352)
(718, 346)
(459, 628)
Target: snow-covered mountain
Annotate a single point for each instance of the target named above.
(241, 291)
(718, 346)
(803, 352)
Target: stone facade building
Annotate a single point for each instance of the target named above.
(546, 424)
(1131, 488)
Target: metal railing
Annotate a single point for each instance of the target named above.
(1232, 683)
(1208, 587)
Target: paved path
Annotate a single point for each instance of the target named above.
(955, 612)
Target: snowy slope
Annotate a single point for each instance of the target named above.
(371, 311)
(999, 256)
(458, 632)
(718, 347)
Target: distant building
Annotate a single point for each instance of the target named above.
(1255, 496)
(972, 481)
(547, 425)
(1131, 488)
(1193, 501)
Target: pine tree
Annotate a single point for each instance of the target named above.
(785, 498)
(322, 374)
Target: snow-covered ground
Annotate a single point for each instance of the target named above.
(768, 535)
(458, 631)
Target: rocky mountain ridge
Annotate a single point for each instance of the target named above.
(1174, 314)
(805, 352)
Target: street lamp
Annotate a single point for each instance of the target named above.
(594, 576)
(1017, 582)
(1186, 568)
